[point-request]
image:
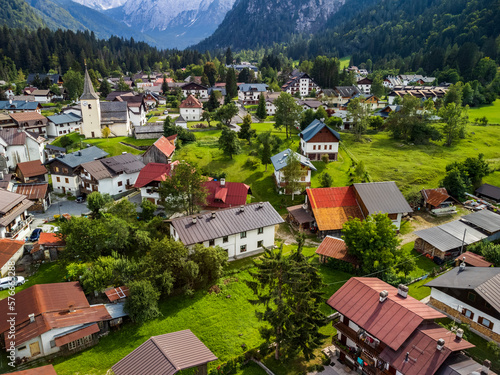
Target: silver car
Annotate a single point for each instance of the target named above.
(6, 282)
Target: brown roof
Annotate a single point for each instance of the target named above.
(166, 355)
(13, 137)
(127, 163)
(474, 260)
(424, 357)
(300, 214)
(120, 292)
(50, 239)
(7, 249)
(32, 168)
(335, 248)
(31, 117)
(44, 370)
(97, 170)
(391, 321)
(435, 197)
(75, 335)
(33, 191)
(11, 205)
(191, 102)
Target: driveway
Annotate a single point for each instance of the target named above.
(60, 206)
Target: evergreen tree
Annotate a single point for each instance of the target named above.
(287, 113)
(268, 145)
(164, 85)
(246, 132)
(104, 88)
(122, 86)
(229, 143)
(231, 84)
(229, 56)
(213, 102)
(261, 108)
(167, 124)
(326, 180)
(37, 82)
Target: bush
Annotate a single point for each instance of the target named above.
(325, 158)
(481, 121)
(340, 265)
(252, 163)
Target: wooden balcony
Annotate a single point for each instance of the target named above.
(347, 331)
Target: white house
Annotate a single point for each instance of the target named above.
(11, 251)
(150, 178)
(470, 295)
(241, 231)
(65, 179)
(114, 176)
(249, 93)
(195, 89)
(191, 109)
(63, 123)
(14, 218)
(20, 146)
(280, 161)
(42, 96)
(317, 140)
(301, 83)
(365, 85)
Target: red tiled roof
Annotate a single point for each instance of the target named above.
(50, 239)
(154, 172)
(335, 248)
(391, 321)
(33, 191)
(435, 196)
(7, 249)
(191, 102)
(87, 331)
(423, 355)
(474, 260)
(44, 370)
(230, 195)
(172, 138)
(32, 168)
(120, 292)
(165, 146)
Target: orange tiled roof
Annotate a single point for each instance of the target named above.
(335, 248)
(165, 146)
(32, 168)
(191, 102)
(50, 239)
(7, 249)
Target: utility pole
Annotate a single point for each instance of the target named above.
(463, 241)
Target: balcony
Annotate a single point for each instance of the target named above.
(353, 354)
(373, 348)
(19, 227)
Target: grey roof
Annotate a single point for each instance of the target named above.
(79, 157)
(165, 355)
(259, 87)
(21, 105)
(484, 219)
(280, 160)
(97, 170)
(226, 222)
(485, 281)
(88, 89)
(116, 310)
(347, 91)
(54, 78)
(490, 191)
(55, 148)
(450, 235)
(221, 89)
(12, 137)
(148, 129)
(126, 163)
(113, 111)
(64, 118)
(180, 119)
(460, 364)
(382, 197)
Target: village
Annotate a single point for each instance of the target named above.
(134, 224)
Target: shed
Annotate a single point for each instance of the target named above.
(298, 216)
(489, 191)
(335, 248)
(472, 260)
(486, 221)
(48, 247)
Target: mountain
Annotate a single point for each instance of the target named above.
(254, 23)
(17, 13)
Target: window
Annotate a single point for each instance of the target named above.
(469, 314)
(56, 169)
(243, 234)
(65, 170)
(66, 180)
(21, 348)
(260, 230)
(330, 147)
(243, 248)
(75, 344)
(471, 296)
(225, 239)
(260, 244)
(485, 322)
(58, 179)
(211, 243)
(120, 183)
(314, 147)
(52, 343)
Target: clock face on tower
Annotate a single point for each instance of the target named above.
(84, 103)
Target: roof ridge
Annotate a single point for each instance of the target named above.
(164, 352)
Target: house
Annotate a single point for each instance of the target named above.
(249, 93)
(150, 178)
(37, 192)
(48, 247)
(335, 248)
(472, 260)
(52, 151)
(114, 176)
(223, 194)
(280, 161)
(270, 106)
(392, 81)
(438, 199)
(317, 140)
(407, 79)
(470, 295)
(44, 370)
(15, 106)
(10, 252)
(6, 121)
(387, 110)
(383, 330)
(54, 79)
(116, 294)
(371, 102)
(195, 89)
(32, 171)
(302, 84)
(43, 96)
(161, 151)
(343, 94)
(191, 109)
(20, 146)
(448, 240)
(299, 218)
(136, 105)
(14, 218)
(241, 231)
(63, 169)
(167, 354)
(365, 85)
(244, 65)
(63, 123)
(53, 318)
(310, 104)
(181, 122)
(489, 191)
(421, 92)
(31, 121)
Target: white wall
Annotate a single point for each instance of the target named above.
(18, 255)
(35, 150)
(319, 147)
(72, 186)
(137, 116)
(202, 94)
(153, 194)
(279, 177)
(111, 187)
(62, 129)
(270, 109)
(191, 114)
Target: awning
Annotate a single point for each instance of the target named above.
(75, 335)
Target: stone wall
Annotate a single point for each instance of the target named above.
(476, 327)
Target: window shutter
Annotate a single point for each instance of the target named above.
(471, 316)
(480, 320)
(491, 325)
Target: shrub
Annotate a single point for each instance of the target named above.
(325, 158)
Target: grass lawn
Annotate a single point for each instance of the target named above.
(416, 167)
(344, 62)
(251, 368)
(47, 273)
(491, 111)
(110, 145)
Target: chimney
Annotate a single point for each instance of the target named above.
(462, 267)
(440, 344)
(486, 367)
(32, 318)
(460, 334)
(213, 214)
(407, 356)
(124, 152)
(71, 307)
(403, 290)
(242, 208)
(194, 220)
(383, 295)
(222, 182)
(261, 204)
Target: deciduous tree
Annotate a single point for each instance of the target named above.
(246, 132)
(358, 112)
(142, 303)
(287, 113)
(268, 145)
(292, 174)
(229, 142)
(455, 119)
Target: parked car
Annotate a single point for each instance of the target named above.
(35, 235)
(165, 112)
(6, 282)
(81, 198)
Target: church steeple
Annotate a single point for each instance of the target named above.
(88, 89)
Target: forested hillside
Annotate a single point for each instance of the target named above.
(17, 13)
